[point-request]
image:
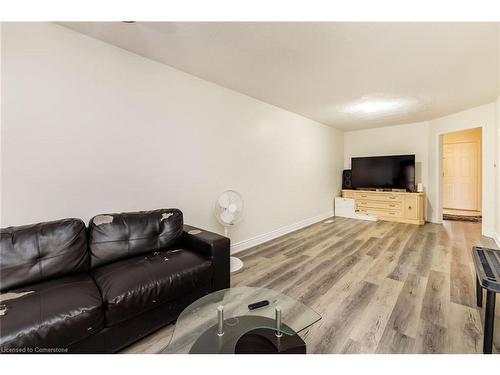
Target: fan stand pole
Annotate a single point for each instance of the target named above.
(235, 264)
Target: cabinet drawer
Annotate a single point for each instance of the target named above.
(382, 197)
(348, 194)
(376, 204)
(381, 213)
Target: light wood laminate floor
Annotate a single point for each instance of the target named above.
(380, 287)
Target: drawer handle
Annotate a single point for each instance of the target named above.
(392, 205)
(363, 195)
(392, 197)
(409, 207)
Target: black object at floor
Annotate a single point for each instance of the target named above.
(472, 219)
(487, 264)
(242, 338)
(264, 341)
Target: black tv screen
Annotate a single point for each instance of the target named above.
(384, 172)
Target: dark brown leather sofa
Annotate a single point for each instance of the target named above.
(68, 288)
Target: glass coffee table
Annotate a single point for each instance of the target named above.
(221, 322)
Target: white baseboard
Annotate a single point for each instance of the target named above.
(434, 221)
(487, 233)
(246, 244)
(496, 237)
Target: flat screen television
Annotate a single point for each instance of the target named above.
(384, 172)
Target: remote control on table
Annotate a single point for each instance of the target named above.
(256, 305)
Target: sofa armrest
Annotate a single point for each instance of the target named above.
(213, 245)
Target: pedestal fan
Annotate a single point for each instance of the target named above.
(228, 211)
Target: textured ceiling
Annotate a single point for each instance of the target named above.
(329, 71)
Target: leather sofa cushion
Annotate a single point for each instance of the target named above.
(135, 285)
(118, 236)
(32, 253)
(54, 313)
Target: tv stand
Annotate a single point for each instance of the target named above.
(382, 189)
(402, 207)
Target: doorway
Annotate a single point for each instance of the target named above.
(462, 175)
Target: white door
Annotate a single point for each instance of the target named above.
(461, 175)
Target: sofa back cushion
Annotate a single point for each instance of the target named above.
(37, 252)
(119, 236)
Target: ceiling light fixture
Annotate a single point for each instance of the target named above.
(374, 106)
(379, 105)
(128, 22)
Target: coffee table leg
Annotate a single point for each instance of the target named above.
(479, 293)
(278, 322)
(220, 320)
(489, 320)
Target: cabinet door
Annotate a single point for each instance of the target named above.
(410, 207)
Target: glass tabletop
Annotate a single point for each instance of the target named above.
(201, 318)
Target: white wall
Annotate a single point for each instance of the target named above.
(497, 139)
(482, 116)
(424, 140)
(89, 128)
(1, 117)
(391, 140)
(497, 186)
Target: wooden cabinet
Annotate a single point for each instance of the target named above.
(388, 205)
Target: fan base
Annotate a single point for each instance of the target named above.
(236, 265)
